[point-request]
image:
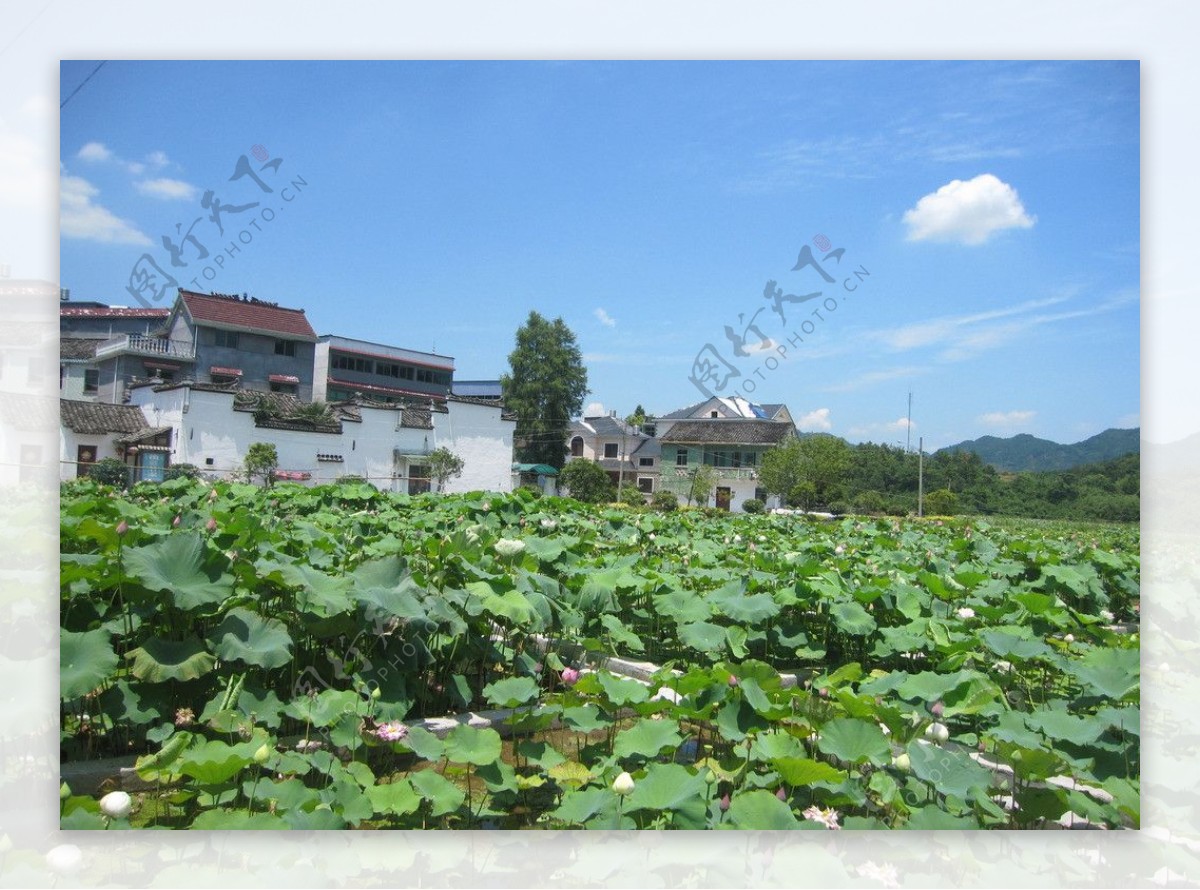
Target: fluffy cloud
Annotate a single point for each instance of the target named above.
(166, 189)
(605, 319)
(80, 217)
(1006, 418)
(95, 151)
(815, 420)
(968, 212)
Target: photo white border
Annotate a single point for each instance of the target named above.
(1165, 850)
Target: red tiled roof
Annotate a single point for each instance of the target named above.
(233, 312)
(227, 372)
(282, 378)
(112, 312)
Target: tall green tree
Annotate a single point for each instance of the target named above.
(545, 387)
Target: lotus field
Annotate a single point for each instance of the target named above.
(276, 658)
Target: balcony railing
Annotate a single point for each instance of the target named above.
(722, 472)
(140, 344)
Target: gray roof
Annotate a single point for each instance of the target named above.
(98, 418)
(728, 431)
(609, 427)
(684, 413)
(78, 348)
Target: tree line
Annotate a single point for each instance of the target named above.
(823, 472)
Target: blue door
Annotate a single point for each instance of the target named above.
(153, 465)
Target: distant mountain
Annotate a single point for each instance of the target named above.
(1026, 452)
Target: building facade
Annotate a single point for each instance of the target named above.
(345, 367)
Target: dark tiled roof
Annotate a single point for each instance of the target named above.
(249, 315)
(22, 411)
(416, 418)
(111, 312)
(77, 348)
(728, 431)
(684, 413)
(97, 418)
(609, 427)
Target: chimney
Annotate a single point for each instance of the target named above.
(64, 294)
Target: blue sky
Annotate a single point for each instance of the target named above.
(995, 207)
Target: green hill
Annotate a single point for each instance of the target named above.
(1026, 452)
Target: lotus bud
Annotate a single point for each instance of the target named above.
(116, 804)
(938, 732)
(623, 784)
(724, 802)
(211, 525)
(65, 859)
(175, 522)
(122, 528)
(780, 793)
(733, 681)
(902, 762)
(1070, 638)
(570, 676)
(64, 791)
(937, 709)
(261, 755)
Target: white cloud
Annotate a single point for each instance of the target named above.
(1006, 419)
(968, 212)
(157, 159)
(80, 218)
(594, 409)
(167, 189)
(95, 151)
(815, 420)
(605, 319)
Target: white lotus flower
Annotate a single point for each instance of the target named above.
(116, 804)
(623, 784)
(938, 732)
(1107, 615)
(509, 547)
(1070, 638)
(66, 859)
(549, 525)
(966, 612)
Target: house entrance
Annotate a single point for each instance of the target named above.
(723, 498)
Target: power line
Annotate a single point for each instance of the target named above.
(83, 84)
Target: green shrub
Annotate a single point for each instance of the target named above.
(753, 505)
(942, 502)
(841, 508)
(587, 482)
(665, 501)
(181, 471)
(632, 496)
(869, 502)
(110, 471)
(529, 491)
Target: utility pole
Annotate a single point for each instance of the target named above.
(920, 477)
(908, 426)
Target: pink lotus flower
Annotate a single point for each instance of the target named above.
(780, 793)
(394, 731)
(569, 676)
(122, 528)
(733, 681)
(724, 804)
(175, 522)
(828, 818)
(211, 525)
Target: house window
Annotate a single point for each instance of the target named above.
(228, 339)
(91, 380)
(645, 485)
(645, 461)
(424, 375)
(289, 388)
(577, 446)
(353, 363)
(285, 347)
(418, 479)
(750, 458)
(610, 449)
(713, 414)
(681, 458)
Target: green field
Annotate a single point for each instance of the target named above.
(270, 655)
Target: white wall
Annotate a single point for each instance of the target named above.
(206, 427)
(68, 450)
(484, 442)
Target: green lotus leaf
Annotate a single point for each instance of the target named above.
(180, 565)
(647, 738)
(469, 744)
(760, 810)
(246, 636)
(85, 661)
(511, 692)
(158, 660)
(443, 795)
(852, 740)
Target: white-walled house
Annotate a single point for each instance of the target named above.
(92, 431)
(213, 427)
